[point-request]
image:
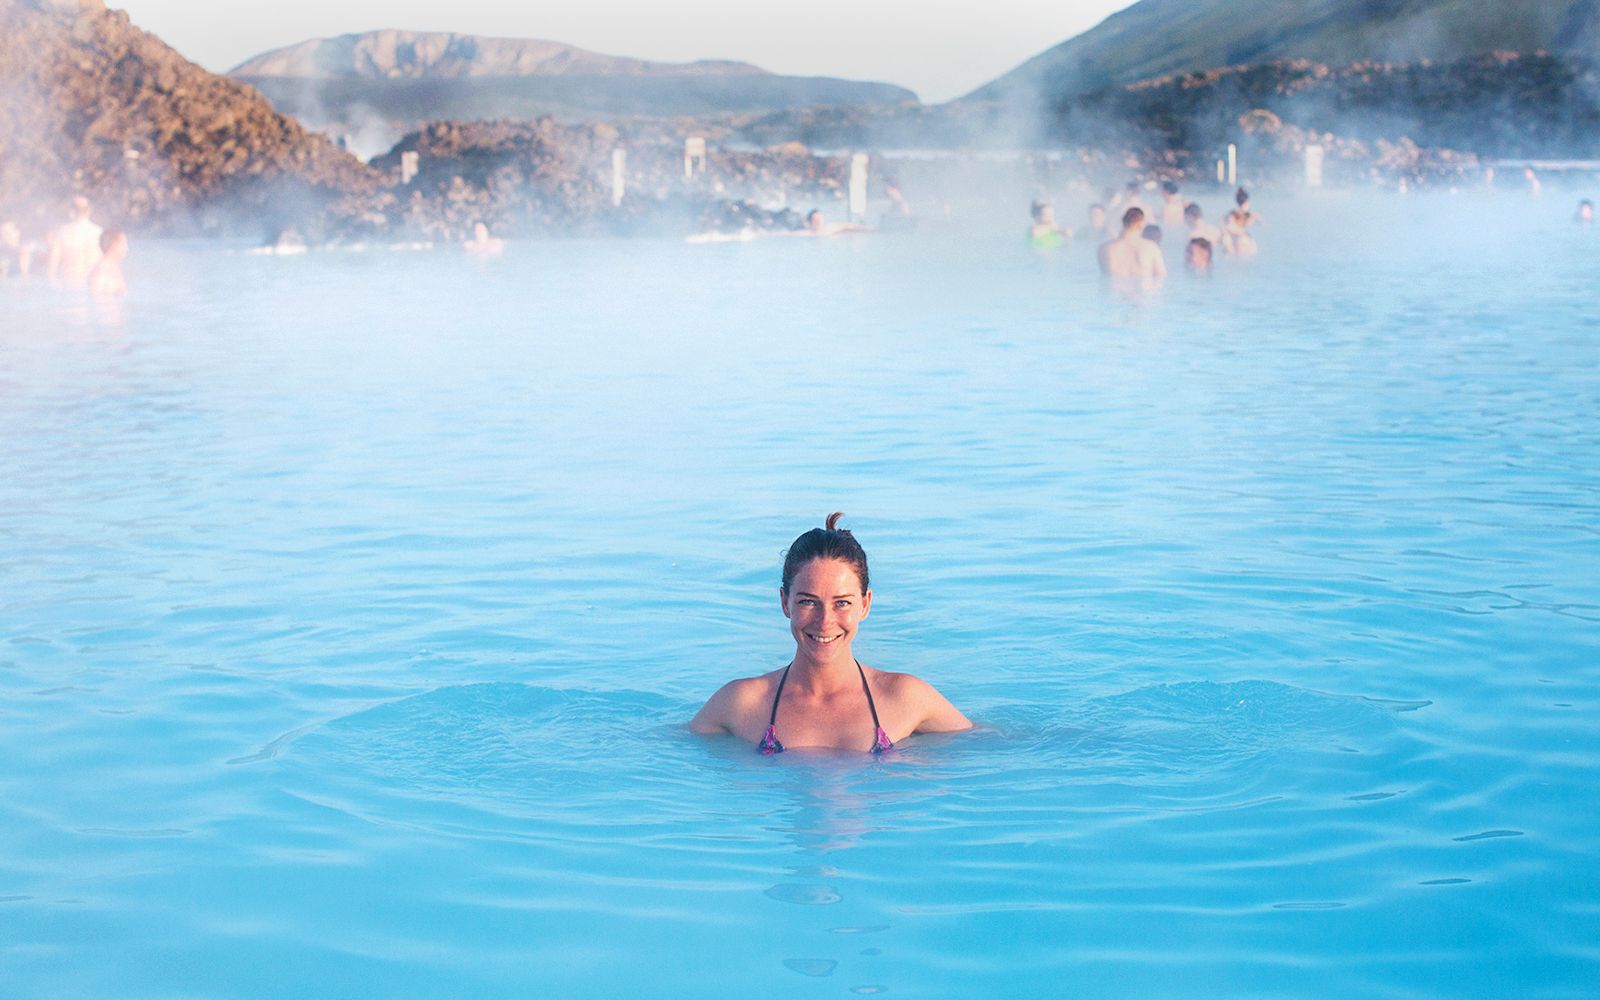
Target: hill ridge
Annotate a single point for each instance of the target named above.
(1157, 38)
(398, 53)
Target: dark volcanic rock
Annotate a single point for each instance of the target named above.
(91, 105)
(1156, 38)
(1376, 120)
(545, 177)
(1501, 104)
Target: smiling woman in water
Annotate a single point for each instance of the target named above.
(825, 696)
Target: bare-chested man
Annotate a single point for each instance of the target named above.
(74, 247)
(1097, 219)
(16, 254)
(1131, 255)
(1199, 228)
(1171, 206)
(1132, 196)
(482, 244)
(106, 276)
(816, 225)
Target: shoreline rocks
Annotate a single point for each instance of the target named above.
(91, 105)
(546, 177)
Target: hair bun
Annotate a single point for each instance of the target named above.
(830, 542)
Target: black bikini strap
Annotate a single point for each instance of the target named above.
(772, 720)
(865, 687)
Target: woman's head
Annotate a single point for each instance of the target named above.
(113, 243)
(1241, 197)
(830, 542)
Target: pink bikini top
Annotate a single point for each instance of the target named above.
(769, 743)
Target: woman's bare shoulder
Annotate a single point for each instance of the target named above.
(916, 697)
(742, 689)
(897, 684)
(907, 693)
(734, 700)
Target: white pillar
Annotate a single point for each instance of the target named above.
(858, 186)
(1314, 166)
(694, 156)
(619, 175)
(1222, 172)
(1233, 164)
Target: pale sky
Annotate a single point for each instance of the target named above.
(938, 48)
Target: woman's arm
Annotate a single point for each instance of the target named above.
(934, 711)
(733, 701)
(713, 715)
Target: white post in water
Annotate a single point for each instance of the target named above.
(1314, 166)
(619, 175)
(858, 186)
(1233, 164)
(1222, 172)
(694, 156)
(408, 166)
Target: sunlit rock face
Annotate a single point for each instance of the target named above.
(91, 105)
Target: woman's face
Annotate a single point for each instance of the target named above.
(825, 605)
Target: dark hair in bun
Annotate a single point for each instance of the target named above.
(831, 542)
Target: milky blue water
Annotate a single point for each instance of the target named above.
(351, 607)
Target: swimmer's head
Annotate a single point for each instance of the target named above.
(480, 232)
(1043, 212)
(831, 542)
(80, 207)
(1241, 197)
(1132, 219)
(1586, 210)
(1192, 213)
(1152, 233)
(814, 219)
(1197, 254)
(1169, 188)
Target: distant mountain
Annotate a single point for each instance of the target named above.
(391, 54)
(91, 105)
(1155, 38)
(379, 85)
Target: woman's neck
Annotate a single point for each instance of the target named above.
(832, 674)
